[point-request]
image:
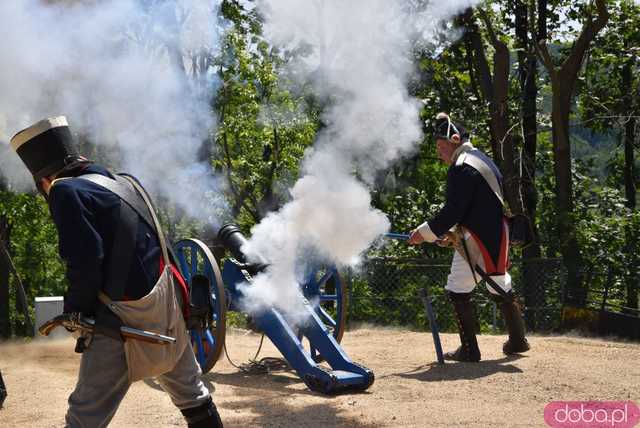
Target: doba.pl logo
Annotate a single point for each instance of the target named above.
(591, 414)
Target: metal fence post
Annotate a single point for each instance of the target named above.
(494, 313)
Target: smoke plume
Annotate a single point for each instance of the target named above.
(121, 71)
(360, 61)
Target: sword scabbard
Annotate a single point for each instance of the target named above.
(146, 336)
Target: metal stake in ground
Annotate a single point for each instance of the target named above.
(426, 301)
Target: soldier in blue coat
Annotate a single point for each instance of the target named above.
(87, 218)
(474, 209)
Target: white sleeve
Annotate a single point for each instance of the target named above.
(426, 232)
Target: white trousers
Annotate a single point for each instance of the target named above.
(461, 280)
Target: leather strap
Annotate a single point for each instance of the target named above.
(482, 273)
(156, 222)
(138, 202)
(481, 166)
(122, 253)
(121, 187)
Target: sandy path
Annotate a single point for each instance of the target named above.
(410, 390)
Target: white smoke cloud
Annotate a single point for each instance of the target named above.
(360, 59)
(120, 71)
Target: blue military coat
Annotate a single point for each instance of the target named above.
(471, 203)
(86, 217)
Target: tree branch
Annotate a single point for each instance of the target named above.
(473, 42)
(545, 57)
(571, 65)
(487, 22)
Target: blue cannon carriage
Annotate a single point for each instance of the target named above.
(213, 293)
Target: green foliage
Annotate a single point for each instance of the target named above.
(263, 128)
(386, 292)
(33, 248)
(607, 101)
(266, 121)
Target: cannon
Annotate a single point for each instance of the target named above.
(213, 293)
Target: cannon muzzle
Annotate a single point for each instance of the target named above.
(233, 240)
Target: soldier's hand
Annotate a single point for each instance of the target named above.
(444, 242)
(448, 240)
(415, 237)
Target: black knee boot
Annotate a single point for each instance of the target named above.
(513, 321)
(466, 319)
(204, 416)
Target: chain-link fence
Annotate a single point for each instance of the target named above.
(611, 300)
(385, 291)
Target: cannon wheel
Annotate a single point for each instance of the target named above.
(327, 291)
(195, 258)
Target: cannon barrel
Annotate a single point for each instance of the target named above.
(233, 240)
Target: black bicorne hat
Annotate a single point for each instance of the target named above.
(444, 128)
(46, 147)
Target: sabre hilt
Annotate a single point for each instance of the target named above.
(76, 321)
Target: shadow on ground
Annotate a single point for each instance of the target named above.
(254, 406)
(435, 372)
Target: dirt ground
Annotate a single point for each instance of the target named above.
(410, 389)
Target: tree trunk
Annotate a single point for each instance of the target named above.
(475, 48)
(534, 296)
(563, 80)
(5, 320)
(500, 123)
(575, 293)
(495, 91)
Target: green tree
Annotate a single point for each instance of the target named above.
(563, 80)
(264, 126)
(609, 105)
(34, 250)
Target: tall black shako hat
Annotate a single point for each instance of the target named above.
(444, 128)
(46, 147)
